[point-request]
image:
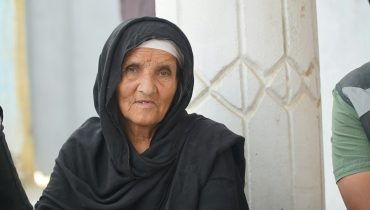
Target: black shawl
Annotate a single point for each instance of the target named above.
(192, 162)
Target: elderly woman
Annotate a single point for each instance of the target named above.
(144, 151)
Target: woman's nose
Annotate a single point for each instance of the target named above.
(147, 85)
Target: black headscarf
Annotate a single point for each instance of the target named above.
(98, 168)
(125, 37)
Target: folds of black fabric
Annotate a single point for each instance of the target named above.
(12, 194)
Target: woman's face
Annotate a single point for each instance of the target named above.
(147, 86)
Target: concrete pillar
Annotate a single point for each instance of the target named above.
(256, 67)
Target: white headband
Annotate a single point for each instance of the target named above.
(162, 44)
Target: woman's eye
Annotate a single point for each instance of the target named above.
(131, 69)
(164, 72)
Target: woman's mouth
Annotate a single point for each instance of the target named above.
(145, 103)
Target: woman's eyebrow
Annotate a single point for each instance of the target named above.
(131, 64)
(165, 66)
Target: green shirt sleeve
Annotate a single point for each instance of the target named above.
(350, 146)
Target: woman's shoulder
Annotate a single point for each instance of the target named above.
(358, 77)
(211, 141)
(85, 139)
(87, 133)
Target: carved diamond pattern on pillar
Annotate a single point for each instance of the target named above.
(286, 84)
(256, 61)
(312, 81)
(228, 86)
(252, 87)
(200, 86)
(215, 109)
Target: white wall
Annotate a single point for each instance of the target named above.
(344, 44)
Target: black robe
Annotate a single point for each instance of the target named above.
(192, 162)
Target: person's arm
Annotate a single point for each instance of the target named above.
(355, 190)
(224, 189)
(351, 155)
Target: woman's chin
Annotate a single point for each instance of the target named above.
(145, 122)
